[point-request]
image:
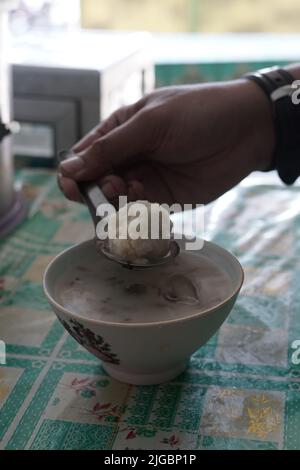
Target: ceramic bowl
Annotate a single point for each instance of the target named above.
(141, 353)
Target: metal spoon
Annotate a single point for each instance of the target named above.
(93, 197)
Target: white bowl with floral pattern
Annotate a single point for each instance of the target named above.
(142, 353)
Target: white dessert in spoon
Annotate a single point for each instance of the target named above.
(143, 232)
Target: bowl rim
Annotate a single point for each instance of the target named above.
(162, 323)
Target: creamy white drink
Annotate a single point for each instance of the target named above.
(107, 291)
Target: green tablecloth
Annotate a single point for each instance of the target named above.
(241, 390)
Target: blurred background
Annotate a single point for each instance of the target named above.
(75, 61)
(210, 16)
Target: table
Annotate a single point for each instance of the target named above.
(241, 390)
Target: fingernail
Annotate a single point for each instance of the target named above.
(72, 165)
(59, 179)
(108, 190)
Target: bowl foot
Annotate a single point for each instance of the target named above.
(135, 378)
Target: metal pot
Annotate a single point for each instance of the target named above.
(12, 208)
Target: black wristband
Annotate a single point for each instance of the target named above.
(270, 79)
(287, 151)
(276, 84)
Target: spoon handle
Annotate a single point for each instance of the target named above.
(89, 191)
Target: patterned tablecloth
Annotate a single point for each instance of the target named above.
(241, 390)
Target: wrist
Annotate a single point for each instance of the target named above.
(259, 124)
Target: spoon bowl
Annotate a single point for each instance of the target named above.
(143, 263)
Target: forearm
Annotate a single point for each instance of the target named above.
(259, 124)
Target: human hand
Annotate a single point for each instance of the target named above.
(185, 144)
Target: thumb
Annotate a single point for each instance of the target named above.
(129, 140)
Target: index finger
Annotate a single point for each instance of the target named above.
(117, 118)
